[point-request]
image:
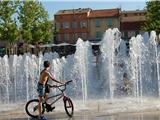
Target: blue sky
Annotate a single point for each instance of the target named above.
(52, 6)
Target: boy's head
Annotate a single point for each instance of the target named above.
(46, 64)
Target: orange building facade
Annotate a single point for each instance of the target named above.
(101, 20)
(89, 24)
(71, 25)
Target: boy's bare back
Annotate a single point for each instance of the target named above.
(44, 77)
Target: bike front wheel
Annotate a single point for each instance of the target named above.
(68, 105)
(32, 108)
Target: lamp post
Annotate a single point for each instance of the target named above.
(55, 31)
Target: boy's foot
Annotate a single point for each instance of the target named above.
(43, 118)
(49, 107)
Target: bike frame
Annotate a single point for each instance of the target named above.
(59, 96)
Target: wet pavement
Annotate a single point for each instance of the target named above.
(93, 110)
(83, 116)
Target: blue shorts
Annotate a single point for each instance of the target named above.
(40, 90)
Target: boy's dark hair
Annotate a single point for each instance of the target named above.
(46, 64)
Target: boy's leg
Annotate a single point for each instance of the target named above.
(40, 91)
(47, 91)
(46, 97)
(40, 106)
(40, 109)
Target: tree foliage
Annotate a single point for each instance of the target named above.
(25, 21)
(34, 24)
(8, 26)
(153, 16)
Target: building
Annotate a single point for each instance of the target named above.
(72, 24)
(131, 23)
(91, 24)
(101, 20)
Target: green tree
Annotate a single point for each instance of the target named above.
(8, 26)
(34, 24)
(153, 16)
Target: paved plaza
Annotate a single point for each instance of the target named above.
(93, 110)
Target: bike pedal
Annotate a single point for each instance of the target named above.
(53, 108)
(50, 109)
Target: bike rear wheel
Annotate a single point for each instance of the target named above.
(68, 105)
(32, 108)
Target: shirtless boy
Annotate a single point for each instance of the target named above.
(43, 89)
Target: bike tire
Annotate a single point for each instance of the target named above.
(69, 108)
(35, 112)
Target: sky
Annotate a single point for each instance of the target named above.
(52, 6)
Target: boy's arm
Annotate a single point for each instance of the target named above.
(49, 74)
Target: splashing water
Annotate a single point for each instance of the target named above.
(109, 47)
(104, 80)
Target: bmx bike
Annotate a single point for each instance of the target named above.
(31, 106)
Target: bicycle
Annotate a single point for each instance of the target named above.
(31, 106)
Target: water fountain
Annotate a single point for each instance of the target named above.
(100, 82)
(109, 47)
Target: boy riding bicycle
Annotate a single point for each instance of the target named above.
(43, 88)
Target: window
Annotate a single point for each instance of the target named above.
(79, 35)
(84, 35)
(98, 34)
(83, 24)
(66, 37)
(97, 22)
(59, 37)
(61, 17)
(74, 17)
(58, 25)
(76, 36)
(73, 36)
(74, 25)
(109, 22)
(65, 25)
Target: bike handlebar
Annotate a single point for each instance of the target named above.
(61, 85)
(68, 82)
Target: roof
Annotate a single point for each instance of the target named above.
(104, 13)
(133, 16)
(134, 11)
(73, 11)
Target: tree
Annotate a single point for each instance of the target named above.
(8, 26)
(34, 24)
(42, 32)
(153, 16)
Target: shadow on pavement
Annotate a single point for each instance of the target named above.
(39, 119)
